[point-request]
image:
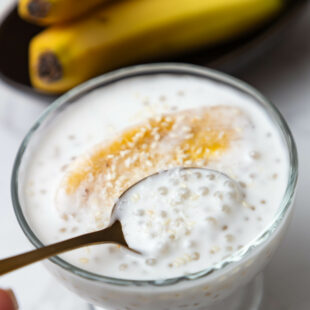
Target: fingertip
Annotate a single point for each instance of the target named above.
(7, 300)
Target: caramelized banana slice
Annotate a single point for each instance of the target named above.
(187, 138)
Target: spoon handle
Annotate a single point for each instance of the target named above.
(110, 234)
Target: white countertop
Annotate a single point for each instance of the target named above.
(283, 75)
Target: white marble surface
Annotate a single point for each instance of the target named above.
(283, 75)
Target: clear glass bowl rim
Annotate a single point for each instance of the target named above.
(149, 69)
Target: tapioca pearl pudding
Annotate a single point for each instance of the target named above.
(184, 218)
(115, 136)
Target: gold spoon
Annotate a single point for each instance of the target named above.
(112, 234)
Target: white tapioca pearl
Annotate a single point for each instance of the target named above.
(184, 177)
(230, 238)
(195, 256)
(210, 176)
(226, 209)
(113, 249)
(180, 220)
(123, 267)
(162, 247)
(242, 184)
(188, 232)
(255, 155)
(229, 184)
(139, 212)
(204, 191)
(163, 190)
(151, 261)
(175, 181)
(211, 220)
(215, 249)
(152, 235)
(218, 195)
(189, 244)
(232, 195)
(184, 193)
(198, 175)
(176, 201)
(163, 214)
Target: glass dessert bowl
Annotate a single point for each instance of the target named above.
(232, 282)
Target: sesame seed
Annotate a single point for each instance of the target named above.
(195, 256)
(211, 219)
(172, 237)
(186, 129)
(84, 260)
(123, 267)
(189, 136)
(135, 197)
(275, 176)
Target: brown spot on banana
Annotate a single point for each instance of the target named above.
(38, 8)
(49, 67)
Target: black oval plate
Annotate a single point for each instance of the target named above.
(15, 35)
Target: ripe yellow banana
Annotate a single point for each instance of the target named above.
(132, 31)
(46, 12)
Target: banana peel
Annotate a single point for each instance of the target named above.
(47, 12)
(134, 31)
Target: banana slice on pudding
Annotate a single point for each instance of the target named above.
(189, 138)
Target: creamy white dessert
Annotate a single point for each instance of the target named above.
(181, 218)
(114, 137)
